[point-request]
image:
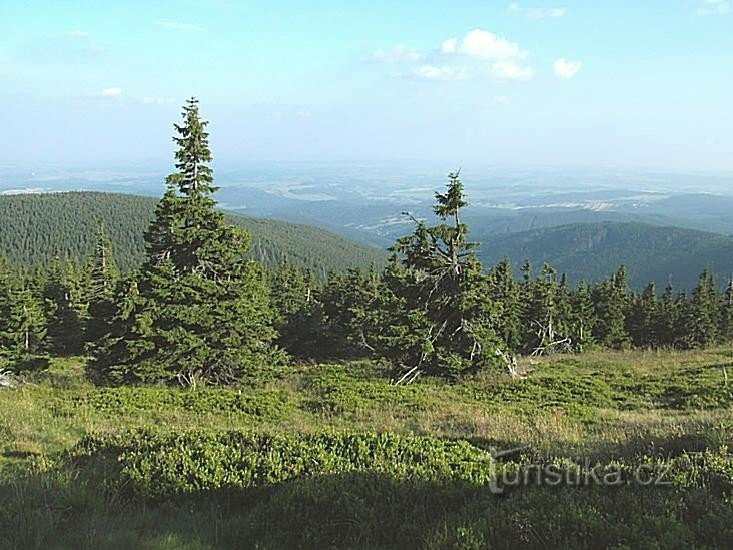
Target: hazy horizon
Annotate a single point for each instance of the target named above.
(554, 84)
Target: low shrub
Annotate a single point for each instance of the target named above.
(155, 464)
(130, 400)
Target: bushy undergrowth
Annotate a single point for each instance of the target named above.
(155, 464)
(237, 489)
(136, 399)
(333, 456)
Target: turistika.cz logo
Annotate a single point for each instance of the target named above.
(568, 473)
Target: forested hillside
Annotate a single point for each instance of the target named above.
(591, 251)
(34, 228)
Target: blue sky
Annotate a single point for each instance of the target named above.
(625, 83)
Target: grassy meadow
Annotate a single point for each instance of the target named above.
(333, 456)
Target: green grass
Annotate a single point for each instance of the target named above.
(297, 459)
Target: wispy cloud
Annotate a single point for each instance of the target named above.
(714, 7)
(177, 25)
(565, 70)
(443, 72)
(537, 13)
(482, 44)
(511, 70)
(479, 53)
(77, 34)
(398, 54)
(112, 91)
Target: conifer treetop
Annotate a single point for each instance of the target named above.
(194, 176)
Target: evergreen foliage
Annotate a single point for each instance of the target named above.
(36, 228)
(104, 278)
(445, 322)
(201, 310)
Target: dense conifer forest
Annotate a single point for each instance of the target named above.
(37, 228)
(198, 391)
(591, 251)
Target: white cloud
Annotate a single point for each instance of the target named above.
(177, 25)
(398, 54)
(483, 44)
(77, 34)
(444, 72)
(565, 69)
(546, 13)
(502, 99)
(537, 13)
(511, 70)
(113, 91)
(714, 7)
(479, 53)
(449, 46)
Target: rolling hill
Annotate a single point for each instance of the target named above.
(36, 227)
(591, 251)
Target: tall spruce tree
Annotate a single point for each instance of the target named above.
(447, 323)
(202, 311)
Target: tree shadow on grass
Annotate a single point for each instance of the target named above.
(72, 508)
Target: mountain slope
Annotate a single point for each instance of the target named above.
(36, 227)
(592, 251)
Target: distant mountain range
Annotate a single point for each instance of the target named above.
(580, 241)
(36, 227)
(591, 251)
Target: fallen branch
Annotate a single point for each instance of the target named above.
(409, 377)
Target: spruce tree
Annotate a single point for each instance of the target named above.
(26, 325)
(103, 280)
(582, 318)
(298, 315)
(505, 292)
(665, 322)
(202, 312)
(5, 303)
(726, 314)
(704, 311)
(611, 301)
(438, 280)
(64, 318)
(642, 319)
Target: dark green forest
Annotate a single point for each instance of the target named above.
(36, 228)
(590, 251)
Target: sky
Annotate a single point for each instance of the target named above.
(563, 83)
